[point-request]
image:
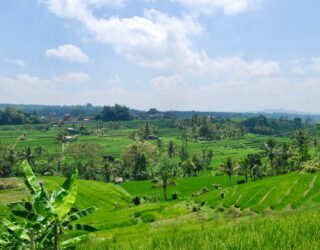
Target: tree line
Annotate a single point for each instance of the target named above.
(282, 158)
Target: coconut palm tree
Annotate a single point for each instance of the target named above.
(284, 153)
(171, 149)
(164, 176)
(270, 150)
(228, 167)
(301, 140)
(244, 167)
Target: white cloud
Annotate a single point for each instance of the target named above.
(71, 77)
(26, 88)
(315, 64)
(242, 95)
(115, 80)
(237, 67)
(230, 7)
(299, 70)
(29, 81)
(304, 66)
(17, 62)
(158, 40)
(68, 53)
(169, 83)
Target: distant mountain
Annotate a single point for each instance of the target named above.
(283, 111)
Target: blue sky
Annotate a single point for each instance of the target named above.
(222, 55)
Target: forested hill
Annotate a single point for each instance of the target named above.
(89, 110)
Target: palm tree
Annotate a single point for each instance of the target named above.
(171, 149)
(255, 166)
(301, 141)
(270, 149)
(244, 167)
(228, 167)
(186, 134)
(283, 155)
(164, 176)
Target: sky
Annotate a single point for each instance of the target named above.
(206, 55)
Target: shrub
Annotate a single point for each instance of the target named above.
(175, 196)
(147, 218)
(137, 214)
(154, 198)
(242, 181)
(216, 186)
(136, 200)
(222, 195)
(195, 209)
(204, 190)
(220, 209)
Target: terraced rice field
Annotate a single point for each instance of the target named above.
(116, 140)
(277, 193)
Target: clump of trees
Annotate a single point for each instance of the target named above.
(262, 125)
(12, 116)
(86, 156)
(281, 158)
(145, 132)
(148, 132)
(115, 113)
(209, 128)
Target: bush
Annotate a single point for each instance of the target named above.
(136, 200)
(147, 218)
(137, 214)
(242, 181)
(216, 186)
(154, 198)
(204, 190)
(175, 196)
(220, 209)
(201, 192)
(195, 209)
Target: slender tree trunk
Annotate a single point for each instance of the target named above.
(56, 238)
(165, 192)
(31, 239)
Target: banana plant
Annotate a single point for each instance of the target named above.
(39, 222)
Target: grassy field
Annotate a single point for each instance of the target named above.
(275, 212)
(276, 193)
(294, 230)
(115, 141)
(184, 186)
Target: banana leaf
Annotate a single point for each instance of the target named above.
(71, 242)
(31, 180)
(78, 215)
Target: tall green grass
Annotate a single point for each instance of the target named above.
(296, 230)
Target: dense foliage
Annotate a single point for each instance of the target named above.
(210, 128)
(11, 116)
(116, 113)
(39, 222)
